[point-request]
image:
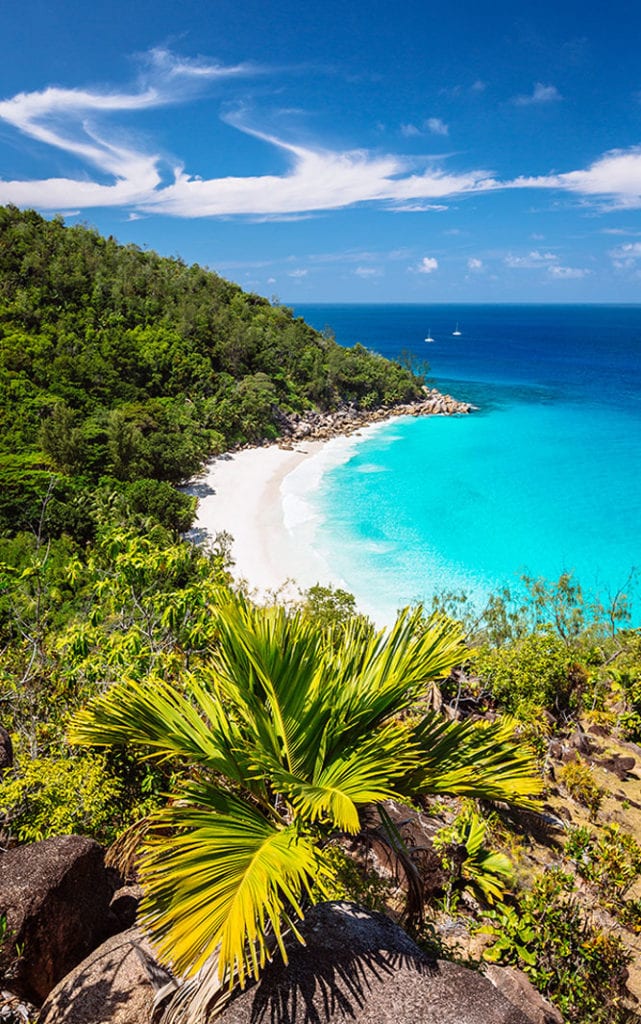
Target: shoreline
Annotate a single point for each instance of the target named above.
(243, 493)
(346, 420)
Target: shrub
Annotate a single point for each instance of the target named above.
(48, 797)
(611, 861)
(577, 966)
(533, 673)
(577, 778)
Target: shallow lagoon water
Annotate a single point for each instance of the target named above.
(544, 478)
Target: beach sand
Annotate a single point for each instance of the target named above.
(242, 494)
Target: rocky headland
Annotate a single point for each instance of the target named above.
(322, 426)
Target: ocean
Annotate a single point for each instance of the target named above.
(544, 478)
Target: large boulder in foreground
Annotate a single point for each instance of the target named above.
(359, 967)
(517, 987)
(112, 986)
(55, 895)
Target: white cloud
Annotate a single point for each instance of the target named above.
(280, 218)
(436, 126)
(625, 257)
(474, 263)
(418, 207)
(567, 273)
(431, 125)
(318, 179)
(427, 265)
(541, 94)
(533, 259)
(298, 273)
(627, 251)
(368, 272)
(615, 176)
(478, 86)
(171, 65)
(80, 122)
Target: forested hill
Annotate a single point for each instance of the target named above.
(120, 368)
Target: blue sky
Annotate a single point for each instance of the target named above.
(357, 152)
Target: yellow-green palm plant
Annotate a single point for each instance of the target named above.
(487, 873)
(287, 736)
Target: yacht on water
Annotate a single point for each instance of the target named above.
(456, 333)
(429, 335)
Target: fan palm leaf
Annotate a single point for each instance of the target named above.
(167, 722)
(476, 759)
(489, 873)
(289, 736)
(226, 882)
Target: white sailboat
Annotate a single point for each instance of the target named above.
(456, 333)
(429, 335)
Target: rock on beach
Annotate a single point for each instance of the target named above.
(317, 426)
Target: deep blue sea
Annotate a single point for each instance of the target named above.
(544, 478)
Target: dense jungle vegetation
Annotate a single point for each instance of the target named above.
(121, 371)
(130, 666)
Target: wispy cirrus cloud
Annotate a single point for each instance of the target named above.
(411, 207)
(368, 272)
(436, 126)
(172, 66)
(615, 178)
(546, 261)
(95, 127)
(430, 126)
(318, 179)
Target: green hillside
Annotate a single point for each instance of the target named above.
(119, 367)
(120, 372)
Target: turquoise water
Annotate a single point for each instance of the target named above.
(544, 478)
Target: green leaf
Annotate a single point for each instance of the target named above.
(228, 878)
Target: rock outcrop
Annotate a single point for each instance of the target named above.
(55, 896)
(359, 967)
(112, 986)
(517, 987)
(318, 426)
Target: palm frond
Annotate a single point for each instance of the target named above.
(228, 878)
(489, 874)
(305, 733)
(365, 773)
(166, 722)
(477, 759)
(266, 668)
(385, 675)
(152, 713)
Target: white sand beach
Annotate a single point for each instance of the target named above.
(243, 494)
(258, 496)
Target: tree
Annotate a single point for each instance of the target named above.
(288, 737)
(62, 439)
